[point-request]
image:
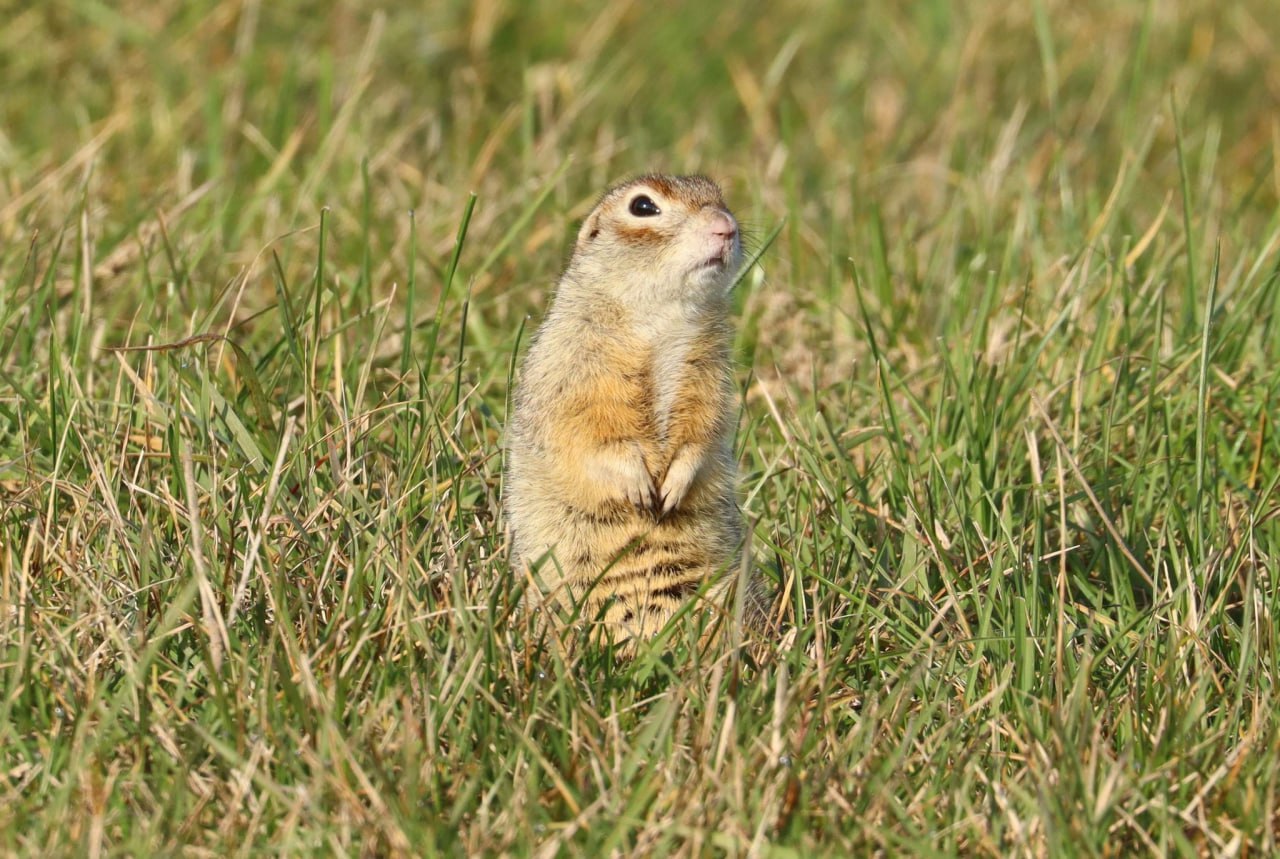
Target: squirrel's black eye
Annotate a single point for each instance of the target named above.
(644, 207)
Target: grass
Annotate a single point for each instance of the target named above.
(1009, 378)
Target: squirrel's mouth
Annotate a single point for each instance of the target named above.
(711, 267)
(720, 259)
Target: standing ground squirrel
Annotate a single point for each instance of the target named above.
(621, 483)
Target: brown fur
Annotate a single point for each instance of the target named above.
(621, 485)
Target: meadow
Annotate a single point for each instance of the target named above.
(1008, 364)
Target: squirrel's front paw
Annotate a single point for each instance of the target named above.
(680, 475)
(627, 475)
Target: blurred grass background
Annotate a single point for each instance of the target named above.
(1009, 376)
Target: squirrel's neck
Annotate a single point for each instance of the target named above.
(652, 321)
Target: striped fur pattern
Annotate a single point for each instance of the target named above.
(620, 491)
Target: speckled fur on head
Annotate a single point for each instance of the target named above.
(646, 262)
(696, 190)
(621, 484)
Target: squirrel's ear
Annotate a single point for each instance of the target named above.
(590, 229)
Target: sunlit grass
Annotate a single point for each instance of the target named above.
(1009, 382)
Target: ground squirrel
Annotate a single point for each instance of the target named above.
(621, 488)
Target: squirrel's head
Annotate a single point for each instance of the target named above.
(659, 238)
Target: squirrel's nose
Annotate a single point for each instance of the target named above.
(723, 225)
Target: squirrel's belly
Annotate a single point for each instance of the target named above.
(615, 553)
